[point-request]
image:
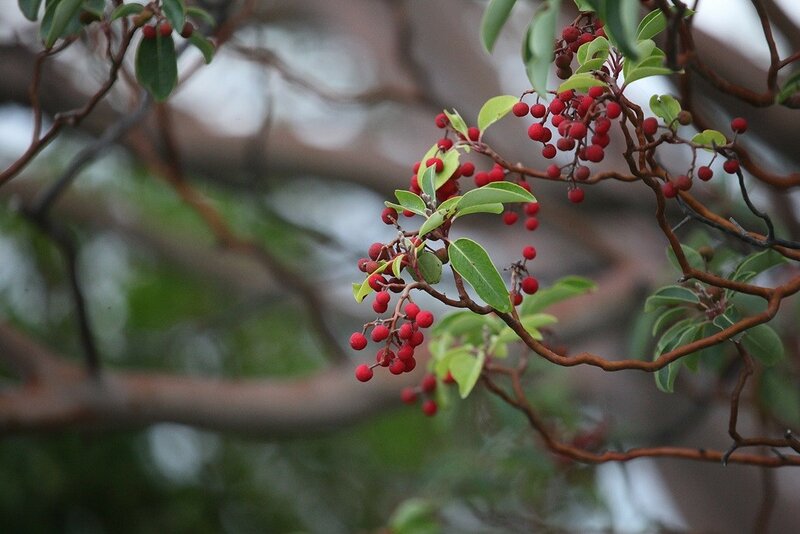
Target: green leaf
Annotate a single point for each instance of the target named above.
(465, 322)
(591, 65)
(693, 257)
(428, 182)
(495, 109)
(710, 138)
(537, 48)
(481, 208)
(667, 318)
(466, 370)
(651, 25)
(790, 87)
(201, 14)
(780, 394)
(494, 192)
(562, 289)
(450, 160)
(472, 262)
(397, 264)
(764, 344)
(205, 46)
(429, 266)
(126, 10)
(728, 319)
(755, 264)
(494, 18)
(669, 296)
(457, 122)
(665, 377)
(414, 516)
(62, 20)
(580, 82)
(584, 6)
(433, 222)
(590, 50)
(640, 73)
(666, 107)
(410, 201)
(621, 18)
(175, 11)
(531, 323)
(156, 66)
(449, 205)
(30, 8)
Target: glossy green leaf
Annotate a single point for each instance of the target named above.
(457, 122)
(584, 6)
(205, 46)
(495, 109)
(651, 25)
(432, 223)
(481, 208)
(397, 264)
(710, 138)
(790, 87)
(562, 289)
(665, 377)
(494, 192)
(175, 11)
(531, 323)
(595, 49)
(428, 182)
(449, 205)
(591, 65)
(537, 48)
(466, 370)
(667, 318)
(693, 257)
(410, 201)
(60, 20)
(779, 392)
(156, 66)
(580, 82)
(450, 160)
(728, 319)
(126, 10)
(622, 18)
(764, 344)
(666, 107)
(465, 322)
(201, 14)
(473, 263)
(432, 151)
(670, 296)
(640, 73)
(30, 8)
(494, 17)
(755, 264)
(429, 267)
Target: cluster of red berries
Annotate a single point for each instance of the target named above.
(671, 188)
(572, 38)
(165, 29)
(528, 284)
(426, 387)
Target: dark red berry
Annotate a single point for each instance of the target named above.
(553, 171)
(363, 372)
(575, 195)
(528, 253)
(467, 168)
(389, 215)
(683, 182)
(531, 208)
(149, 32)
(165, 29)
(424, 319)
(582, 172)
(731, 166)
(187, 30)
(375, 250)
(705, 173)
(595, 153)
(473, 133)
(565, 144)
(538, 110)
(650, 126)
(384, 357)
(669, 190)
(448, 378)
(429, 407)
(441, 120)
(428, 383)
(531, 224)
(408, 395)
(516, 298)
(417, 339)
(445, 144)
(530, 285)
(563, 61)
(411, 363)
(397, 367)
(520, 109)
(739, 125)
(549, 151)
(570, 34)
(510, 217)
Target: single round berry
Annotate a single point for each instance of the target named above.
(595, 153)
(473, 133)
(531, 209)
(684, 118)
(424, 319)
(549, 151)
(187, 30)
(565, 144)
(530, 285)
(705, 173)
(582, 172)
(596, 92)
(445, 144)
(417, 339)
(389, 216)
(575, 195)
(363, 372)
(406, 331)
(428, 383)
(553, 171)
(683, 182)
(570, 34)
(482, 178)
(149, 32)
(566, 96)
(601, 139)
(531, 224)
(467, 168)
(405, 352)
(650, 126)
(731, 166)
(739, 125)
(379, 333)
(375, 250)
(497, 175)
(384, 357)
(429, 407)
(408, 395)
(510, 217)
(613, 110)
(376, 282)
(516, 298)
(563, 74)
(379, 308)
(383, 297)
(520, 109)
(602, 126)
(669, 190)
(437, 163)
(528, 253)
(577, 130)
(557, 120)
(397, 367)
(556, 106)
(411, 310)
(563, 61)
(536, 131)
(441, 120)
(538, 110)
(165, 29)
(358, 341)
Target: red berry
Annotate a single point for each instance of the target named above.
(563, 61)
(596, 92)
(528, 253)
(557, 120)
(467, 168)
(602, 125)
(165, 28)
(496, 175)
(405, 352)
(575, 195)
(411, 310)
(582, 172)
(553, 171)
(482, 178)
(683, 182)
(705, 173)
(187, 30)
(417, 339)
(601, 139)
(549, 151)
(406, 331)
(411, 363)
(731, 166)
(149, 32)
(375, 250)
(441, 120)
(429, 407)
(613, 110)
(669, 190)
(376, 281)
(384, 357)
(565, 144)
(531, 208)
(408, 395)
(536, 131)
(538, 110)
(650, 126)
(435, 162)
(531, 224)
(383, 297)
(377, 307)
(570, 34)
(595, 153)
(428, 383)
(397, 367)
(379, 333)
(371, 266)
(556, 107)
(424, 319)
(516, 298)
(448, 378)
(510, 217)
(577, 130)
(520, 109)
(363, 372)
(389, 215)
(445, 144)
(739, 125)
(358, 341)
(530, 285)
(566, 96)
(473, 133)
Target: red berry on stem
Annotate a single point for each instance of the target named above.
(417, 339)
(520, 109)
(441, 120)
(187, 30)
(363, 372)
(549, 152)
(531, 224)
(530, 285)
(497, 175)
(575, 195)
(411, 310)
(428, 383)
(376, 282)
(536, 131)
(739, 125)
(613, 110)
(429, 407)
(553, 171)
(582, 172)
(669, 190)
(384, 357)
(731, 166)
(397, 367)
(516, 298)
(577, 130)
(389, 215)
(473, 133)
(411, 363)
(683, 182)
(165, 28)
(528, 253)
(408, 395)
(596, 92)
(556, 107)
(510, 217)
(650, 126)
(424, 319)
(467, 168)
(149, 32)
(445, 143)
(538, 110)
(405, 331)
(570, 34)
(377, 307)
(705, 173)
(435, 162)
(358, 341)
(405, 352)
(595, 153)
(375, 250)
(379, 333)
(531, 208)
